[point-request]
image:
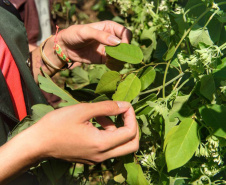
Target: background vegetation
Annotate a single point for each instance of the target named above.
(175, 79)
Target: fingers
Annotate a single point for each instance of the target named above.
(104, 108)
(106, 123)
(106, 38)
(114, 29)
(111, 139)
(124, 149)
(121, 32)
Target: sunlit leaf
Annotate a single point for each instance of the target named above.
(170, 52)
(108, 82)
(128, 89)
(135, 175)
(200, 35)
(182, 144)
(147, 77)
(125, 52)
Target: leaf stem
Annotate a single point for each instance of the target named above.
(160, 87)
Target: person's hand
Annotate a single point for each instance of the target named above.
(68, 134)
(85, 43)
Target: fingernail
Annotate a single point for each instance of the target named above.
(123, 104)
(113, 40)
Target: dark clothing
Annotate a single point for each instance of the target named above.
(29, 16)
(14, 34)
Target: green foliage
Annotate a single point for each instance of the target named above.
(126, 53)
(47, 85)
(214, 116)
(108, 82)
(175, 78)
(181, 144)
(128, 89)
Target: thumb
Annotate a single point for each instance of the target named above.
(104, 108)
(101, 36)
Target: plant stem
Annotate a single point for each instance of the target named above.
(223, 46)
(181, 40)
(195, 6)
(188, 47)
(211, 17)
(160, 87)
(176, 90)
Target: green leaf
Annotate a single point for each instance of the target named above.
(55, 169)
(214, 116)
(142, 103)
(108, 82)
(182, 144)
(120, 171)
(21, 126)
(169, 135)
(128, 89)
(170, 52)
(149, 35)
(147, 77)
(100, 98)
(180, 109)
(49, 86)
(145, 123)
(200, 35)
(80, 76)
(96, 72)
(207, 88)
(142, 108)
(38, 111)
(135, 175)
(125, 52)
(222, 18)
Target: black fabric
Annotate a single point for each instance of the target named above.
(10, 8)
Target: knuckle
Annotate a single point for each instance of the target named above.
(97, 159)
(132, 133)
(108, 22)
(136, 146)
(99, 146)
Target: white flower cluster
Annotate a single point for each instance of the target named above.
(124, 5)
(149, 7)
(211, 151)
(213, 147)
(202, 150)
(148, 160)
(205, 58)
(163, 6)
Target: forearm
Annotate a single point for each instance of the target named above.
(37, 61)
(18, 155)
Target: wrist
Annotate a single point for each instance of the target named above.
(27, 148)
(50, 53)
